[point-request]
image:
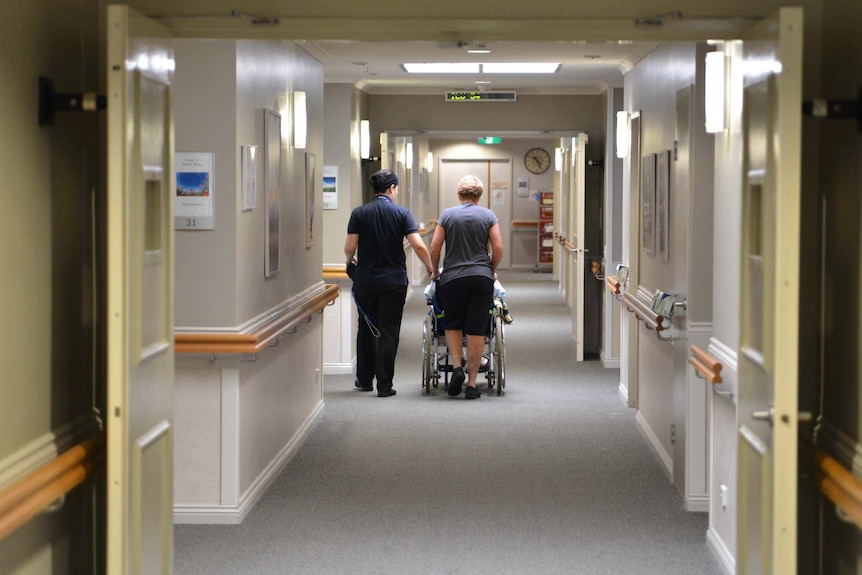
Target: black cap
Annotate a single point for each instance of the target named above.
(381, 180)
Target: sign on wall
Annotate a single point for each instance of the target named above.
(330, 187)
(193, 203)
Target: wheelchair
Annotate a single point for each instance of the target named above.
(436, 362)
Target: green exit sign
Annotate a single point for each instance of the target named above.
(490, 140)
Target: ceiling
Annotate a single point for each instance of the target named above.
(375, 67)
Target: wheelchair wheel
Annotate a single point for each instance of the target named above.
(427, 354)
(499, 353)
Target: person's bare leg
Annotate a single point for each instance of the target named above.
(454, 338)
(475, 346)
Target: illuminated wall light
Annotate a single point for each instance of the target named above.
(408, 156)
(715, 91)
(558, 159)
(623, 134)
(429, 162)
(300, 120)
(364, 139)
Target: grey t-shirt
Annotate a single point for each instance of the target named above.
(467, 229)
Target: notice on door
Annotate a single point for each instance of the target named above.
(499, 190)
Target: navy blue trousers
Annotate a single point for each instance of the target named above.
(375, 356)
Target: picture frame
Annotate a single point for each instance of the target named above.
(249, 177)
(648, 204)
(662, 186)
(310, 181)
(272, 183)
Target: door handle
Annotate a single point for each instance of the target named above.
(769, 415)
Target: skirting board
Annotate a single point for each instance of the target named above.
(235, 514)
(665, 459)
(722, 553)
(697, 503)
(609, 362)
(337, 368)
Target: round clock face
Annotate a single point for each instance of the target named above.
(537, 160)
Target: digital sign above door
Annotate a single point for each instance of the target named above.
(477, 96)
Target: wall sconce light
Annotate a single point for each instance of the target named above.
(715, 91)
(623, 134)
(408, 156)
(364, 139)
(300, 120)
(558, 159)
(429, 162)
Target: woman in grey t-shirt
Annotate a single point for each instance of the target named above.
(466, 285)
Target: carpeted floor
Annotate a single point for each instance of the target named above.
(551, 478)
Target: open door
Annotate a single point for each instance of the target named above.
(771, 60)
(140, 294)
(580, 259)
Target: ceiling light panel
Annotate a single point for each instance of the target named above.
(490, 68)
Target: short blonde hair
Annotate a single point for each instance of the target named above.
(470, 187)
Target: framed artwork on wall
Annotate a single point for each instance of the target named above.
(662, 191)
(310, 179)
(648, 204)
(272, 183)
(249, 178)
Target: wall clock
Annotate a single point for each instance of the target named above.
(537, 160)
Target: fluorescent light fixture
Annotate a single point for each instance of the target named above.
(364, 139)
(490, 68)
(622, 134)
(715, 91)
(558, 159)
(521, 68)
(479, 51)
(442, 68)
(408, 156)
(300, 120)
(429, 162)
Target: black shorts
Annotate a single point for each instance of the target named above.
(467, 303)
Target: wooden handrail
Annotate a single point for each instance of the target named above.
(525, 224)
(705, 364)
(643, 312)
(613, 284)
(34, 493)
(334, 272)
(839, 485)
(256, 341)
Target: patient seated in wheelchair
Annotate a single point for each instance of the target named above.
(499, 295)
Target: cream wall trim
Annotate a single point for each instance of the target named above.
(609, 362)
(46, 448)
(722, 553)
(234, 514)
(697, 503)
(264, 318)
(337, 368)
(700, 327)
(663, 456)
(230, 384)
(624, 393)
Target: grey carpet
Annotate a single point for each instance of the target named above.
(551, 478)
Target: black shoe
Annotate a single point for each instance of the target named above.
(361, 387)
(387, 393)
(472, 393)
(457, 381)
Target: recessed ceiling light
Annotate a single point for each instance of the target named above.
(482, 82)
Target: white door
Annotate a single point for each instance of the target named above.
(771, 60)
(496, 175)
(140, 294)
(580, 257)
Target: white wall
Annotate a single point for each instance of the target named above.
(241, 417)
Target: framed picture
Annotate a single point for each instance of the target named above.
(249, 178)
(272, 183)
(662, 191)
(310, 180)
(648, 204)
